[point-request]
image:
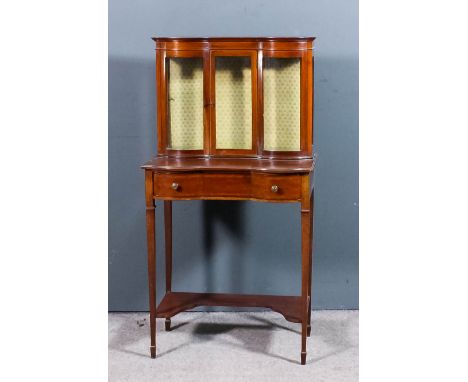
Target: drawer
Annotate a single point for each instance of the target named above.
(277, 187)
(202, 185)
(193, 185)
(177, 185)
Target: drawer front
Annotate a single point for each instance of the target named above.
(227, 186)
(199, 185)
(177, 185)
(277, 187)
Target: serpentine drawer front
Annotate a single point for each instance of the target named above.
(234, 122)
(227, 186)
(277, 187)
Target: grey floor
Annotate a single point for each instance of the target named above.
(242, 346)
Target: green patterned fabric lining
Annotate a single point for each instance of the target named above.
(233, 79)
(282, 100)
(186, 103)
(233, 87)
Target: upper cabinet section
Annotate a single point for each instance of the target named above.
(240, 97)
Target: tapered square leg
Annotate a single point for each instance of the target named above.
(309, 284)
(306, 278)
(168, 245)
(168, 242)
(167, 324)
(151, 243)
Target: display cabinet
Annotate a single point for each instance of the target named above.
(234, 122)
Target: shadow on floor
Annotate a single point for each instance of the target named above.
(249, 337)
(253, 338)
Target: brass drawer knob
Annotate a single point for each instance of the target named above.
(274, 188)
(175, 186)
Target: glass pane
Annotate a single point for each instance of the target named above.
(185, 103)
(233, 89)
(282, 100)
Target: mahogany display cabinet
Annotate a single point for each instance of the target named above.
(234, 122)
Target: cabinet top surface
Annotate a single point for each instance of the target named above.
(233, 39)
(230, 164)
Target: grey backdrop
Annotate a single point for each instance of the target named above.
(242, 247)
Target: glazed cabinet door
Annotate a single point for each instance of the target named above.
(286, 103)
(233, 97)
(182, 100)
